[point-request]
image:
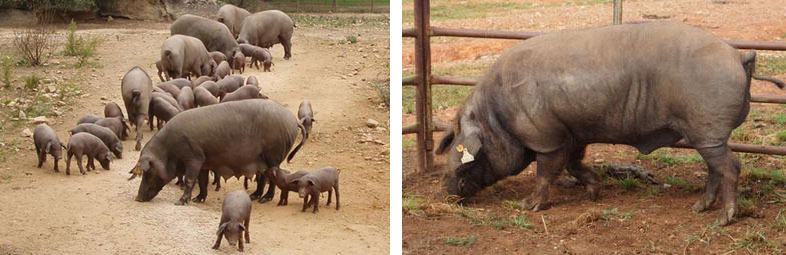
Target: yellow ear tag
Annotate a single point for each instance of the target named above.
(137, 170)
(465, 156)
(460, 148)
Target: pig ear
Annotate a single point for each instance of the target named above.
(242, 227)
(48, 147)
(222, 228)
(468, 142)
(310, 183)
(62, 145)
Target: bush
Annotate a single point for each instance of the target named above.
(78, 46)
(31, 82)
(8, 66)
(36, 41)
(383, 90)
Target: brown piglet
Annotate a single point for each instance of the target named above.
(235, 217)
(315, 182)
(283, 179)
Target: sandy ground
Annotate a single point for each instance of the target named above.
(43, 212)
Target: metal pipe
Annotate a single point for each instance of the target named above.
(409, 32)
(410, 80)
(749, 148)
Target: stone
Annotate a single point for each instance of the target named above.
(27, 133)
(39, 120)
(372, 123)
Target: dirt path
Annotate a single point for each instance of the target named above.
(50, 213)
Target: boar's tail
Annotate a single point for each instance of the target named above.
(135, 95)
(777, 82)
(302, 141)
(748, 60)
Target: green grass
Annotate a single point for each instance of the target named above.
(513, 204)
(339, 21)
(665, 157)
(780, 221)
(629, 183)
(462, 242)
(7, 64)
(32, 82)
(383, 91)
(81, 47)
(755, 241)
(746, 206)
(442, 97)
(614, 213)
(467, 10)
(414, 204)
(768, 65)
(680, 183)
(409, 144)
(771, 176)
(520, 221)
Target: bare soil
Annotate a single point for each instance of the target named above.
(660, 221)
(44, 212)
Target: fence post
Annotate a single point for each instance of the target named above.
(617, 12)
(423, 94)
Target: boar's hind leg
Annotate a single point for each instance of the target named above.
(203, 180)
(41, 156)
(726, 171)
(140, 122)
(549, 167)
(260, 187)
(576, 169)
(192, 172)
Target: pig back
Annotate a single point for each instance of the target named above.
(136, 84)
(236, 205)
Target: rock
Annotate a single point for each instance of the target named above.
(666, 185)
(27, 133)
(104, 98)
(372, 123)
(39, 120)
(50, 89)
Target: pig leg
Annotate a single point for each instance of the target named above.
(151, 118)
(549, 167)
(315, 201)
(90, 163)
(56, 170)
(140, 121)
(68, 162)
(203, 179)
(248, 220)
(41, 156)
(710, 193)
(330, 194)
(576, 169)
(287, 47)
(79, 163)
(192, 173)
(338, 204)
(218, 241)
(245, 182)
(282, 199)
(271, 191)
(240, 245)
(722, 161)
(306, 203)
(260, 187)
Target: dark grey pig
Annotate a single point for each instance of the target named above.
(213, 88)
(86, 144)
(170, 88)
(179, 83)
(106, 135)
(113, 110)
(196, 82)
(267, 28)
(252, 81)
(202, 97)
(305, 115)
(186, 98)
(285, 181)
(232, 16)
(181, 148)
(163, 110)
(185, 56)
(214, 35)
(217, 56)
(88, 118)
(235, 218)
(222, 70)
(136, 89)
(117, 125)
(315, 182)
(231, 83)
(546, 99)
(239, 62)
(243, 93)
(257, 54)
(46, 142)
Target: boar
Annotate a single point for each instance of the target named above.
(267, 28)
(232, 16)
(546, 99)
(190, 144)
(235, 218)
(315, 182)
(86, 144)
(214, 35)
(184, 56)
(136, 88)
(46, 142)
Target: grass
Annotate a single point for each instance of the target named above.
(629, 183)
(755, 241)
(442, 97)
(383, 91)
(516, 205)
(32, 82)
(771, 176)
(7, 64)
(665, 157)
(80, 47)
(680, 183)
(520, 221)
(780, 221)
(414, 204)
(614, 213)
(467, 10)
(462, 242)
(769, 65)
(745, 206)
(321, 21)
(409, 144)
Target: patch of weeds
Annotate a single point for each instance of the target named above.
(680, 183)
(666, 158)
(754, 241)
(409, 144)
(80, 47)
(463, 242)
(746, 206)
(414, 204)
(469, 10)
(780, 221)
(339, 21)
(516, 205)
(771, 176)
(770, 65)
(711, 231)
(520, 221)
(629, 183)
(474, 217)
(350, 39)
(8, 68)
(614, 213)
(780, 119)
(383, 91)
(602, 171)
(32, 82)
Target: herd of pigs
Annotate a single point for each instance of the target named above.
(208, 120)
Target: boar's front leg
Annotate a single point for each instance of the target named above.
(191, 174)
(41, 156)
(549, 167)
(203, 180)
(218, 240)
(576, 169)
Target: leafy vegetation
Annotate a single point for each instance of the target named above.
(463, 242)
(680, 183)
(629, 183)
(520, 221)
(80, 47)
(7, 64)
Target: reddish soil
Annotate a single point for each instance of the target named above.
(661, 220)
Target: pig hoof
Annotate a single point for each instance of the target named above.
(265, 199)
(181, 202)
(199, 199)
(532, 205)
(700, 206)
(215, 247)
(726, 217)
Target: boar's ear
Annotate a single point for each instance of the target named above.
(62, 145)
(222, 228)
(468, 142)
(447, 140)
(310, 183)
(48, 147)
(242, 227)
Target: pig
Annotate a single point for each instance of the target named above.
(213, 88)
(184, 56)
(160, 69)
(88, 118)
(186, 98)
(163, 110)
(306, 116)
(546, 99)
(252, 81)
(113, 110)
(232, 16)
(46, 142)
(235, 218)
(217, 56)
(178, 83)
(231, 83)
(201, 79)
(169, 99)
(239, 62)
(116, 124)
(202, 97)
(169, 88)
(180, 147)
(257, 55)
(214, 35)
(136, 88)
(245, 92)
(106, 135)
(284, 181)
(315, 182)
(222, 70)
(87, 144)
(267, 28)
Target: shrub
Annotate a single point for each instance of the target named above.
(78, 46)
(31, 82)
(36, 41)
(383, 90)
(8, 66)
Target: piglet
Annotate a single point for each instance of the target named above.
(239, 62)
(88, 118)
(222, 70)
(245, 92)
(235, 217)
(117, 125)
(86, 144)
(113, 110)
(252, 81)
(107, 136)
(284, 180)
(306, 115)
(315, 182)
(45, 140)
(202, 97)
